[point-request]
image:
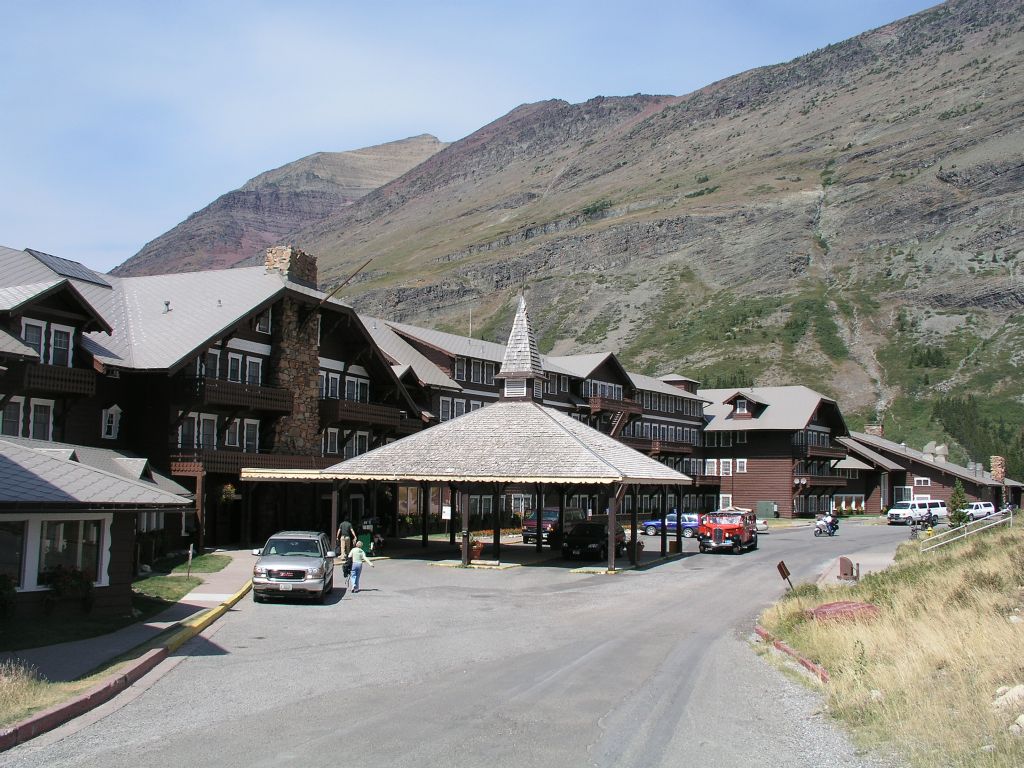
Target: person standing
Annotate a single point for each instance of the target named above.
(358, 558)
(346, 535)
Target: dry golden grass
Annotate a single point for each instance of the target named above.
(22, 692)
(922, 677)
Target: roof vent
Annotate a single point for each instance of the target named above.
(167, 307)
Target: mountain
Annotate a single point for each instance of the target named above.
(269, 208)
(850, 220)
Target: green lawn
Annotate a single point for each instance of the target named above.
(178, 563)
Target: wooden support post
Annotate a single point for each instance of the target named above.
(664, 522)
(496, 512)
(613, 518)
(457, 504)
(540, 516)
(634, 520)
(201, 511)
(679, 519)
(334, 516)
(424, 511)
(561, 519)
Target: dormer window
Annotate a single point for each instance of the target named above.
(263, 322)
(111, 423)
(460, 369)
(741, 406)
(32, 335)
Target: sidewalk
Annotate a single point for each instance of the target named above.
(869, 562)
(70, 661)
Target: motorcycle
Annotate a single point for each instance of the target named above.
(824, 528)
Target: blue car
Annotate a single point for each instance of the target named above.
(689, 521)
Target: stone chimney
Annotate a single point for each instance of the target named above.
(298, 266)
(875, 430)
(941, 454)
(929, 451)
(998, 464)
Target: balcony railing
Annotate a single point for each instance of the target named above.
(230, 462)
(235, 394)
(820, 481)
(598, 404)
(656, 447)
(706, 479)
(59, 380)
(355, 412)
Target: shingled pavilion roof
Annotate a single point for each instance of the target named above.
(508, 442)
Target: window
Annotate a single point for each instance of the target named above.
(10, 418)
(187, 432)
(741, 405)
(475, 372)
(357, 389)
(333, 385)
(32, 335)
(460, 407)
(12, 548)
(460, 369)
(60, 347)
(710, 467)
(41, 423)
(321, 384)
(725, 501)
(741, 466)
(446, 409)
(725, 467)
(254, 371)
(263, 322)
(111, 423)
(231, 434)
(207, 432)
(211, 365)
(741, 438)
(488, 373)
(551, 385)
(710, 439)
(922, 482)
(475, 405)
(563, 383)
(234, 367)
(515, 387)
(251, 436)
(331, 441)
(70, 544)
(726, 439)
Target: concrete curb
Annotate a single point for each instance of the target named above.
(52, 717)
(820, 672)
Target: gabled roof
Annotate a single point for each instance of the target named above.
(39, 478)
(745, 394)
(522, 358)
(651, 384)
(580, 366)
(904, 456)
(405, 356)
(12, 345)
(864, 452)
(508, 442)
(125, 464)
(785, 409)
(450, 343)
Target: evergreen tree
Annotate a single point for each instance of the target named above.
(958, 506)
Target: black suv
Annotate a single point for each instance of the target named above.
(590, 539)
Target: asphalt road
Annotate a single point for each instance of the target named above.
(531, 666)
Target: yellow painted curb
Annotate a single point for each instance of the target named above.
(192, 627)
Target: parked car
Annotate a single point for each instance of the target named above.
(294, 564)
(732, 528)
(690, 523)
(907, 512)
(937, 511)
(548, 523)
(979, 509)
(590, 539)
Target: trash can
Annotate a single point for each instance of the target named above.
(673, 547)
(366, 540)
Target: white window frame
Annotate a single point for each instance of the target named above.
(710, 440)
(726, 441)
(331, 440)
(460, 369)
(246, 424)
(741, 438)
(724, 500)
(250, 362)
(444, 410)
(20, 402)
(476, 374)
(32, 543)
(232, 433)
(725, 467)
(563, 383)
(110, 422)
(711, 467)
(25, 322)
(741, 406)
(70, 331)
(488, 372)
(458, 407)
(235, 358)
(333, 384)
(32, 403)
(201, 422)
(741, 466)
(475, 405)
(204, 368)
(262, 324)
(922, 482)
(194, 418)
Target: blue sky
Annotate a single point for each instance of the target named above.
(121, 119)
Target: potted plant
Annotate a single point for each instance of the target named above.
(476, 548)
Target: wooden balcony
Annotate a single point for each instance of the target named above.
(713, 480)
(230, 462)
(385, 418)
(657, 447)
(819, 451)
(610, 404)
(59, 380)
(235, 394)
(821, 481)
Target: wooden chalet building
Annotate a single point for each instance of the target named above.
(774, 449)
(896, 472)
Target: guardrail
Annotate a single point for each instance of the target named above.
(969, 529)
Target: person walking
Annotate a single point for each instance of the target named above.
(345, 536)
(358, 558)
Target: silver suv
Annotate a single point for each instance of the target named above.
(979, 509)
(294, 564)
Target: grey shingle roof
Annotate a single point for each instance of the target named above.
(521, 356)
(12, 345)
(875, 458)
(898, 450)
(462, 346)
(509, 442)
(29, 476)
(640, 381)
(403, 354)
(788, 408)
(13, 296)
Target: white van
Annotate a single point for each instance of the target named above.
(907, 512)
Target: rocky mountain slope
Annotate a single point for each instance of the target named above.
(850, 220)
(268, 209)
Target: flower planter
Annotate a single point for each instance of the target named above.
(476, 549)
